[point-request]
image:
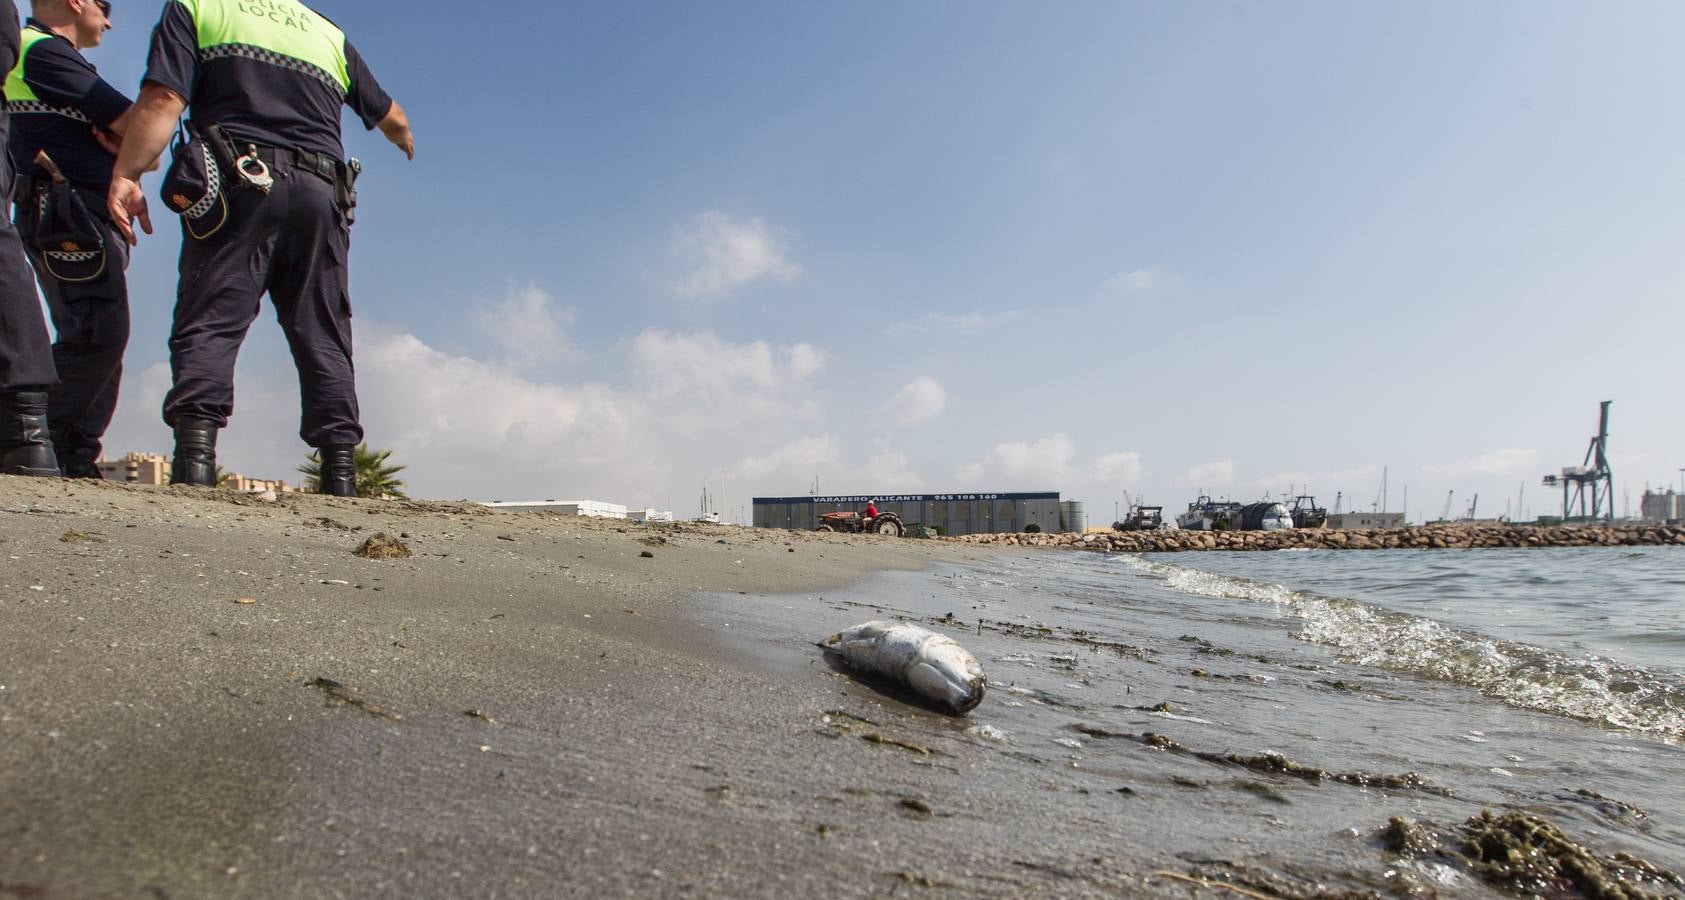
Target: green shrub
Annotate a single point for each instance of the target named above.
(1032, 528)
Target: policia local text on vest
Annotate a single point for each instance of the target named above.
(267, 206)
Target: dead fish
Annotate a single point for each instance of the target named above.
(932, 664)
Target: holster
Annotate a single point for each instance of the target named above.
(345, 188)
(222, 145)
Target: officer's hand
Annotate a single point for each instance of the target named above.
(125, 202)
(112, 143)
(396, 127)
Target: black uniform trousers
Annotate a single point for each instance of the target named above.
(293, 243)
(91, 319)
(26, 358)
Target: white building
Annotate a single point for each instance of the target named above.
(593, 508)
(1348, 521)
(1661, 506)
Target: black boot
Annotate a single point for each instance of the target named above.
(78, 456)
(195, 458)
(338, 475)
(26, 447)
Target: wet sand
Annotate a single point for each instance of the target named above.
(530, 707)
(526, 707)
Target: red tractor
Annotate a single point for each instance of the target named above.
(851, 522)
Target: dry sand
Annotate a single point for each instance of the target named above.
(527, 707)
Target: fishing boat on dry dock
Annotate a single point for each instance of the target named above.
(1141, 518)
(1206, 514)
(1306, 514)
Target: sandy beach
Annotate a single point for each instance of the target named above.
(207, 695)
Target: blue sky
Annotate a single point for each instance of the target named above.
(1087, 247)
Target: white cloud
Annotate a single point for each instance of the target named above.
(943, 323)
(724, 255)
(1211, 474)
(1022, 465)
(1118, 469)
(526, 325)
(890, 470)
(1139, 280)
(487, 433)
(798, 460)
(1511, 461)
(704, 376)
(922, 398)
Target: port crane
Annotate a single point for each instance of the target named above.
(1594, 473)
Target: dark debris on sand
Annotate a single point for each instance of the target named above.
(1527, 855)
(1276, 764)
(383, 546)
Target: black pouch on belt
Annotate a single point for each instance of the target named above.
(69, 235)
(200, 176)
(345, 188)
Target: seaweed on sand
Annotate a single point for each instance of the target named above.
(1276, 764)
(1526, 854)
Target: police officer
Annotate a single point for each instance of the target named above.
(60, 106)
(264, 79)
(26, 358)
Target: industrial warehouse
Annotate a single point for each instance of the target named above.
(967, 513)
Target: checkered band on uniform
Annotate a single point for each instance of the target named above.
(213, 185)
(249, 51)
(75, 256)
(28, 107)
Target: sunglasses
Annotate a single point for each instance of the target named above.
(104, 7)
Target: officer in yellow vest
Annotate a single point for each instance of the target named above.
(266, 203)
(26, 358)
(60, 106)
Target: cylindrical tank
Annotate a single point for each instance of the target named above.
(1072, 517)
(1265, 516)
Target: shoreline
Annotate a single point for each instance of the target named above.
(1423, 537)
(207, 694)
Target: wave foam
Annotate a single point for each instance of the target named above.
(1582, 687)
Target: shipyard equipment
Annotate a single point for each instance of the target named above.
(1594, 474)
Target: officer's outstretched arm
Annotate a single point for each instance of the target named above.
(148, 133)
(396, 127)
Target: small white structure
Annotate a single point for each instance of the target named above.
(593, 508)
(1360, 520)
(650, 514)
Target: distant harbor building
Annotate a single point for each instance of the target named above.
(1354, 520)
(593, 508)
(962, 513)
(1663, 506)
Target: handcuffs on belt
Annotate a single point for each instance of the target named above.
(253, 170)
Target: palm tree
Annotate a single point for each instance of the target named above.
(375, 479)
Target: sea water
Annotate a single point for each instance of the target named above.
(1426, 685)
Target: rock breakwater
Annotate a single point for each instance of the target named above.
(1426, 537)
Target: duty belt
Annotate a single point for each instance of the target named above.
(23, 192)
(319, 164)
